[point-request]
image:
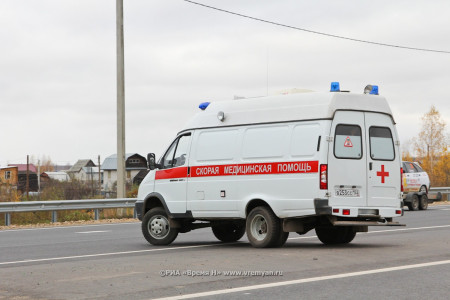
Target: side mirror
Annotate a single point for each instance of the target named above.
(151, 160)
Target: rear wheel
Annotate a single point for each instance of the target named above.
(414, 204)
(332, 235)
(156, 227)
(423, 205)
(229, 232)
(264, 228)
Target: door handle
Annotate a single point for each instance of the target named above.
(370, 166)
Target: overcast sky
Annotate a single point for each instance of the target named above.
(58, 65)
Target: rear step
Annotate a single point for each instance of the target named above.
(366, 223)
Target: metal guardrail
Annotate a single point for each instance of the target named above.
(443, 190)
(435, 193)
(54, 206)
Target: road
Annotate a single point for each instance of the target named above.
(115, 262)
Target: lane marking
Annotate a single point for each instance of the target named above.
(305, 280)
(183, 247)
(103, 254)
(96, 231)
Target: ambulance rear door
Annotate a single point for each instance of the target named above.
(384, 161)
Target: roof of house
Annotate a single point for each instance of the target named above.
(23, 167)
(110, 163)
(80, 164)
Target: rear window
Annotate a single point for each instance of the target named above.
(381, 143)
(348, 142)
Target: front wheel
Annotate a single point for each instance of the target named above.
(229, 232)
(332, 235)
(264, 228)
(156, 227)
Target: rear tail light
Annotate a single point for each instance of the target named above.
(323, 177)
(401, 178)
(346, 212)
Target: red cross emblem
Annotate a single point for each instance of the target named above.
(383, 174)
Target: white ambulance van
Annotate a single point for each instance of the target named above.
(274, 165)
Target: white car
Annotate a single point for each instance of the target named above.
(415, 179)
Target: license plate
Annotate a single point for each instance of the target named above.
(347, 192)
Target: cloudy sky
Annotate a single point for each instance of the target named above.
(58, 65)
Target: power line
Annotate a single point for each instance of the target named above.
(317, 32)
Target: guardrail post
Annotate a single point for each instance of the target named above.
(134, 213)
(7, 219)
(54, 216)
(96, 214)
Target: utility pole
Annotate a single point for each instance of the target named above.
(39, 176)
(99, 178)
(120, 102)
(28, 174)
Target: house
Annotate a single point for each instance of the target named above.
(84, 170)
(9, 177)
(22, 177)
(133, 164)
(60, 176)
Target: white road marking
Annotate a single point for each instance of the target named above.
(102, 254)
(185, 247)
(97, 231)
(305, 280)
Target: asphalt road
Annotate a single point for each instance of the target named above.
(115, 262)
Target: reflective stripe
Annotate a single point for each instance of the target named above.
(241, 169)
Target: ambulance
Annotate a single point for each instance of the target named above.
(269, 166)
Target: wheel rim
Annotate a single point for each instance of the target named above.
(258, 227)
(415, 203)
(158, 227)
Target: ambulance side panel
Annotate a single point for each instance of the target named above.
(210, 192)
(295, 151)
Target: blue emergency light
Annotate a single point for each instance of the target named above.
(335, 87)
(203, 105)
(371, 89)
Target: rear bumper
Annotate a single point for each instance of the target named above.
(358, 216)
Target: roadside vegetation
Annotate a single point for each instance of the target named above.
(431, 149)
(57, 190)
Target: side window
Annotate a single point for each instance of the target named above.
(181, 151)
(348, 142)
(176, 155)
(418, 168)
(408, 167)
(381, 144)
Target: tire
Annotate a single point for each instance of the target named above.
(423, 204)
(264, 228)
(156, 227)
(414, 204)
(282, 239)
(333, 235)
(230, 232)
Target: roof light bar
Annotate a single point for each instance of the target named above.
(371, 89)
(204, 105)
(335, 87)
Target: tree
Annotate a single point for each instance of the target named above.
(431, 147)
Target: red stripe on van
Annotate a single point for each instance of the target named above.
(256, 169)
(180, 172)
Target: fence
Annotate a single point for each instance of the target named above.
(96, 204)
(54, 206)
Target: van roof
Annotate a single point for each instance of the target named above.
(286, 108)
